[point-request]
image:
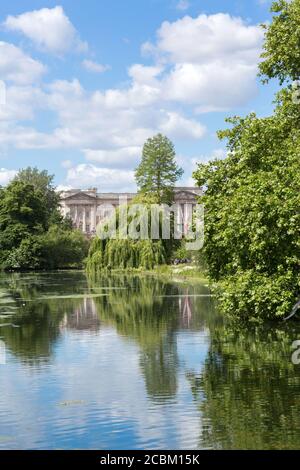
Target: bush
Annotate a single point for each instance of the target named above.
(251, 296)
(57, 248)
(63, 248)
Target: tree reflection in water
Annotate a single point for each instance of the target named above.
(246, 391)
(249, 391)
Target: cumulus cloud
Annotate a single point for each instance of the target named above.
(220, 72)
(6, 176)
(49, 29)
(87, 175)
(18, 67)
(180, 127)
(92, 66)
(125, 156)
(110, 126)
(218, 37)
(143, 74)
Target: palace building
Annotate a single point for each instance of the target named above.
(87, 208)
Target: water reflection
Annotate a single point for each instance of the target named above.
(133, 362)
(84, 318)
(249, 391)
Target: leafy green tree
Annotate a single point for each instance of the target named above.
(62, 248)
(281, 55)
(43, 182)
(21, 213)
(28, 237)
(158, 171)
(252, 200)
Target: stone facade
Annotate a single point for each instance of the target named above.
(87, 208)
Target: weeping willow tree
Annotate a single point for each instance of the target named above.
(156, 177)
(118, 252)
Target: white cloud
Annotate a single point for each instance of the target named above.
(218, 37)
(183, 5)
(217, 85)
(49, 29)
(6, 176)
(144, 74)
(180, 127)
(220, 72)
(123, 157)
(92, 66)
(18, 67)
(88, 175)
(110, 126)
(63, 187)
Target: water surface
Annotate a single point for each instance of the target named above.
(138, 363)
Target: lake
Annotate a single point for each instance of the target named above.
(127, 362)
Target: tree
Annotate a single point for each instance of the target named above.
(22, 214)
(62, 248)
(252, 203)
(28, 237)
(158, 171)
(22, 206)
(281, 55)
(43, 182)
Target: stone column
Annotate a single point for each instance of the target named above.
(92, 218)
(84, 220)
(76, 216)
(188, 214)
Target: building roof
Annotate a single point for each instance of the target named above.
(93, 193)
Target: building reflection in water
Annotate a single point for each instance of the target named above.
(83, 318)
(185, 309)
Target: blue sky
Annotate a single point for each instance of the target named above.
(88, 81)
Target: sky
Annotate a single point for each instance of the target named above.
(85, 83)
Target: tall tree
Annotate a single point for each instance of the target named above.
(281, 52)
(43, 182)
(252, 197)
(22, 213)
(26, 240)
(158, 172)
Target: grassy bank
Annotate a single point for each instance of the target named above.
(181, 273)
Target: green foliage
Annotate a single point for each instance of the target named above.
(158, 171)
(281, 56)
(26, 256)
(43, 182)
(127, 253)
(27, 241)
(250, 295)
(21, 214)
(252, 197)
(248, 389)
(63, 248)
(252, 216)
